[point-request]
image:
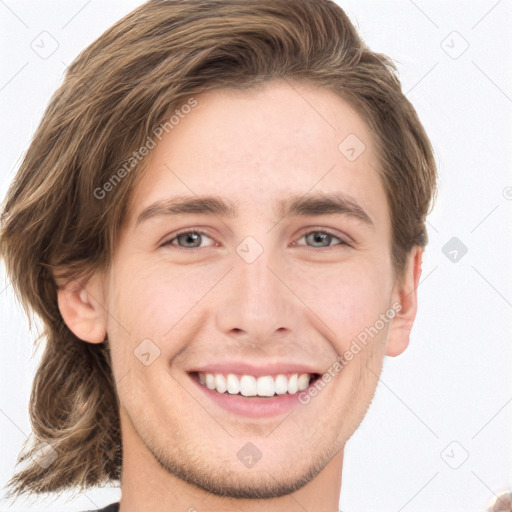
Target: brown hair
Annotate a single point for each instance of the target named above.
(117, 91)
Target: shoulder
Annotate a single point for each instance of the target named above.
(113, 507)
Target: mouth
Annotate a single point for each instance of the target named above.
(256, 389)
(251, 386)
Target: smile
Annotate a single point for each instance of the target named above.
(250, 386)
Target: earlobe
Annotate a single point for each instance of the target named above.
(82, 310)
(405, 294)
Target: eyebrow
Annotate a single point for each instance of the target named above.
(295, 205)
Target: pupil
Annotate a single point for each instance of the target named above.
(190, 237)
(319, 237)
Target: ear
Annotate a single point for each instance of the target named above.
(405, 294)
(81, 307)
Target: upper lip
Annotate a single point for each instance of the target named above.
(246, 368)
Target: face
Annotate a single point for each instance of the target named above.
(277, 274)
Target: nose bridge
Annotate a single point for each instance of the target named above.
(256, 302)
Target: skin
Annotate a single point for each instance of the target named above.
(298, 301)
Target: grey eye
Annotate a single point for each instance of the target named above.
(188, 240)
(191, 239)
(321, 239)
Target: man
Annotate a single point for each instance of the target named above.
(220, 221)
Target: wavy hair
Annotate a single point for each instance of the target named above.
(55, 226)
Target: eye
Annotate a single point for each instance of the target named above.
(324, 238)
(189, 239)
(192, 240)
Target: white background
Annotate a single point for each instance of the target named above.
(449, 396)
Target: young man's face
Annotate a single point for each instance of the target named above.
(279, 294)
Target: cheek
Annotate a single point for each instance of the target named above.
(155, 300)
(348, 299)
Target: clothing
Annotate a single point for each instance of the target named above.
(113, 507)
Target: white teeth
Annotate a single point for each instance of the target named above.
(210, 381)
(292, 384)
(233, 384)
(220, 383)
(303, 381)
(265, 386)
(248, 385)
(281, 385)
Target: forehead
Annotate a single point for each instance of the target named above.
(259, 147)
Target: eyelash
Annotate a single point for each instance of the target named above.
(202, 233)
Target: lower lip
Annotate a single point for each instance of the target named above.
(253, 406)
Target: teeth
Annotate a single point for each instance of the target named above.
(281, 385)
(210, 381)
(220, 383)
(233, 384)
(265, 386)
(303, 381)
(292, 384)
(248, 385)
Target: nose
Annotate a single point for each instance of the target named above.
(257, 302)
